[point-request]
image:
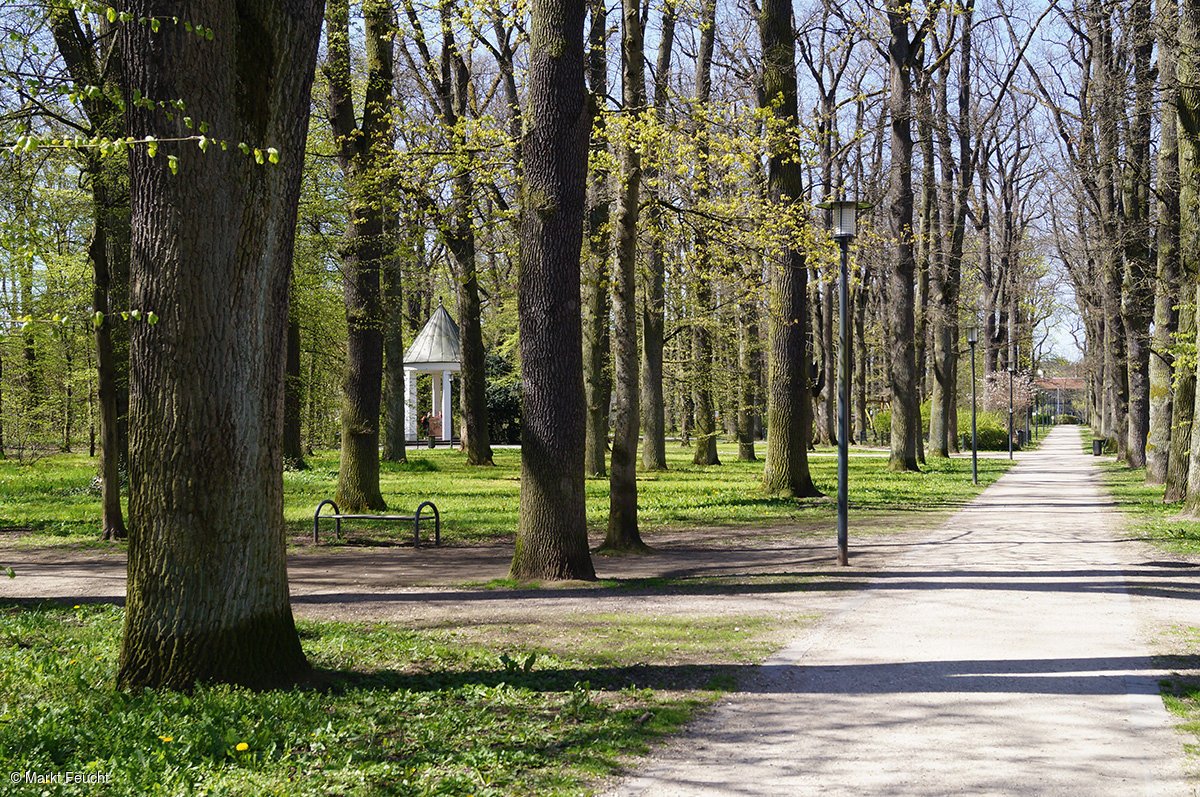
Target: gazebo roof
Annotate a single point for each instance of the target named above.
(438, 341)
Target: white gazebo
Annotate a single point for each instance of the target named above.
(437, 352)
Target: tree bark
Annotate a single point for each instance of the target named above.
(95, 61)
(623, 532)
(551, 538)
(293, 389)
(789, 402)
(902, 376)
(360, 146)
(702, 343)
(747, 334)
(1138, 289)
(597, 381)
(1166, 318)
(212, 253)
(1188, 75)
(1183, 398)
(653, 411)
(395, 435)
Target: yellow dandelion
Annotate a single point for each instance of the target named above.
(167, 738)
(77, 606)
(242, 747)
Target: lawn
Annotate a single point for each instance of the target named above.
(398, 711)
(1146, 514)
(52, 501)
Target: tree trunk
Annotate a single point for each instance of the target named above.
(597, 381)
(653, 411)
(1138, 302)
(473, 393)
(702, 344)
(827, 398)
(92, 58)
(1166, 318)
(360, 148)
(395, 435)
(789, 402)
(747, 334)
(932, 321)
(1183, 397)
(1188, 75)
(552, 538)
(293, 389)
(902, 376)
(109, 255)
(207, 595)
(859, 300)
(623, 532)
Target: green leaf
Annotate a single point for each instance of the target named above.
(151, 318)
(173, 163)
(203, 142)
(272, 155)
(258, 157)
(151, 146)
(136, 315)
(111, 13)
(97, 319)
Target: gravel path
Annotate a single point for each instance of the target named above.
(1005, 657)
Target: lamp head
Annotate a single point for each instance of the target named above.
(845, 216)
(972, 335)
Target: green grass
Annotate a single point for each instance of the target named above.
(1146, 514)
(407, 712)
(1181, 692)
(50, 501)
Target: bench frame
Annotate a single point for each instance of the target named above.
(337, 517)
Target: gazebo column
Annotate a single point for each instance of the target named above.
(410, 404)
(447, 407)
(436, 401)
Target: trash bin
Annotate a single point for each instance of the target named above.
(1097, 447)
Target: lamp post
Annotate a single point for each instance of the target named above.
(845, 227)
(1040, 403)
(972, 339)
(1012, 369)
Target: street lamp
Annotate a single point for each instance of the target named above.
(1039, 403)
(845, 227)
(1012, 368)
(972, 339)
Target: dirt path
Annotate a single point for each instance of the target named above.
(1009, 655)
(718, 571)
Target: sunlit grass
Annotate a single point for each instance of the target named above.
(51, 501)
(1145, 513)
(400, 711)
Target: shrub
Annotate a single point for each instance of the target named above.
(503, 400)
(881, 425)
(991, 429)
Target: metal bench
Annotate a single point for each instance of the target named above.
(337, 517)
